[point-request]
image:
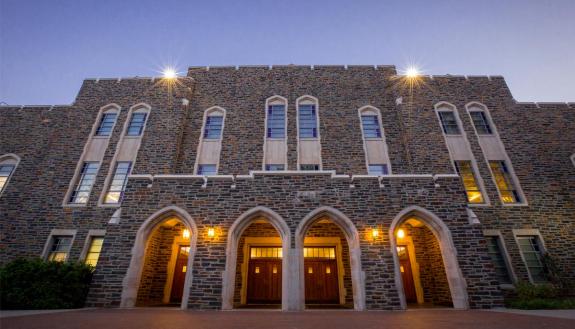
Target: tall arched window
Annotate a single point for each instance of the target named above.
(8, 163)
(374, 145)
(275, 139)
(308, 133)
(210, 145)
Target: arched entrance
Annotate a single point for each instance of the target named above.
(426, 268)
(329, 257)
(160, 269)
(257, 261)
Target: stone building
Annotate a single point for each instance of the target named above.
(293, 187)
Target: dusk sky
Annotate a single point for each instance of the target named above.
(48, 47)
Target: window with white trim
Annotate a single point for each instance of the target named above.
(532, 253)
(449, 122)
(307, 117)
(481, 122)
(94, 250)
(370, 125)
(207, 169)
(309, 167)
(495, 250)
(115, 192)
(137, 124)
(107, 122)
(60, 248)
(275, 167)
(85, 183)
(377, 169)
(504, 182)
(213, 127)
(7, 167)
(276, 121)
(467, 174)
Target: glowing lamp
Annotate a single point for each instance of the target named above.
(186, 234)
(170, 73)
(374, 233)
(400, 233)
(211, 232)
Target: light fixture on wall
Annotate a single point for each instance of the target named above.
(400, 234)
(211, 232)
(374, 233)
(186, 234)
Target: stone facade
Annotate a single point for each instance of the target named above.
(539, 140)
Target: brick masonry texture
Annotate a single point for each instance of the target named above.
(539, 139)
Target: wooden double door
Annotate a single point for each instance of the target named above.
(321, 281)
(264, 281)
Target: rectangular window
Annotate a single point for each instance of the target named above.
(60, 248)
(370, 126)
(213, 129)
(274, 167)
(85, 183)
(207, 169)
(480, 122)
(276, 121)
(532, 254)
(5, 172)
(377, 169)
(504, 182)
(495, 250)
(449, 123)
(106, 124)
(308, 167)
(266, 252)
(137, 123)
(307, 121)
(94, 251)
(115, 192)
(465, 171)
(319, 252)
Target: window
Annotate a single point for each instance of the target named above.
(137, 122)
(94, 251)
(213, 128)
(319, 252)
(6, 170)
(266, 252)
(118, 185)
(207, 169)
(274, 167)
(495, 250)
(106, 124)
(377, 169)
(465, 171)
(449, 122)
(532, 253)
(85, 182)
(480, 122)
(60, 248)
(370, 126)
(504, 182)
(276, 121)
(307, 121)
(308, 167)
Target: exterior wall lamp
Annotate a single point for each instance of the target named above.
(211, 232)
(374, 233)
(400, 234)
(186, 234)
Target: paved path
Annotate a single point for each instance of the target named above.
(158, 318)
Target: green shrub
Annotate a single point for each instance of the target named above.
(527, 291)
(543, 304)
(38, 284)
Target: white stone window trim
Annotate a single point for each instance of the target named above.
(540, 242)
(104, 109)
(372, 110)
(448, 107)
(275, 100)
(505, 255)
(469, 107)
(572, 160)
(54, 233)
(138, 108)
(207, 113)
(11, 159)
(88, 242)
(307, 100)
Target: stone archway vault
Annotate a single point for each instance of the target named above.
(131, 281)
(457, 285)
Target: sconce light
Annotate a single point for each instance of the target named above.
(400, 234)
(374, 233)
(211, 232)
(186, 234)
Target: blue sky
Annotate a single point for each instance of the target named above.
(48, 47)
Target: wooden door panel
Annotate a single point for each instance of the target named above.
(321, 281)
(264, 281)
(180, 271)
(407, 275)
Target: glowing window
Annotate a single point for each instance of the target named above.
(119, 181)
(449, 123)
(319, 252)
(504, 182)
(85, 182)
(60, 248)
(307, 121)
(266, 252)
(107, 122)
(94, 251)
(465, 171)
(6, 170)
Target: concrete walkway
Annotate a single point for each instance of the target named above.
(162, 318)
(564, 314)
